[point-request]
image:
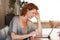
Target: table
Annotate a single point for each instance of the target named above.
(54, 35)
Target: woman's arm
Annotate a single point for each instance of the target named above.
(15, 36)
(39, 29)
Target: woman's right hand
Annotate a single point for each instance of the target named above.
(33, 34)
(37, 15)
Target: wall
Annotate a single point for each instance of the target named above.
(3, 11)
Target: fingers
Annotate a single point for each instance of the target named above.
(33, 34)
(37, 13)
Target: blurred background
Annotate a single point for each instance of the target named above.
(48, 9)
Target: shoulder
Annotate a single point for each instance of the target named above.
(15, 18)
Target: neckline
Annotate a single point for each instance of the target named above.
(22, 26)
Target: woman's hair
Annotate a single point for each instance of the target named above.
(28, 6)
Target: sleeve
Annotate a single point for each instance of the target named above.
(13, 26)
(32, 27)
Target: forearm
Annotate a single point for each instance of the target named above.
(20, 36)
(39, 30)
(39, 27)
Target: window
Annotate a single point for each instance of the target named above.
(48, 9)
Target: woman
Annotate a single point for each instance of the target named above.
(21, 28)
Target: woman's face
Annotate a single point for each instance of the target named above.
(31, 13)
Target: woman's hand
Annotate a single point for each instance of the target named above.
(37, 15)
(33, 34)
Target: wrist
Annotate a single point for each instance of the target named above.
(38, 20)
